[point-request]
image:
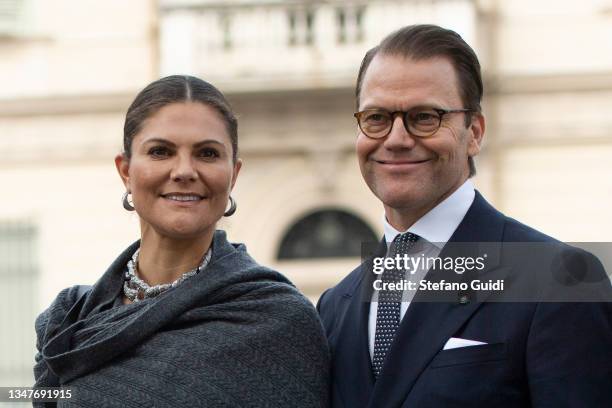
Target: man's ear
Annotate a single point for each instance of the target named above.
(476, 134)
(123, 166)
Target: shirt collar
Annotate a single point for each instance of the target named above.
(439, 224)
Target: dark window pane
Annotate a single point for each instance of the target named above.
(326, 234)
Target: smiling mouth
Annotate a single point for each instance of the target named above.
(401, 162)
(183, 197)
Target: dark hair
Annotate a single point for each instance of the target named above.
(172, 89)
(423, 41)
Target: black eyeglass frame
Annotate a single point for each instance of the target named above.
(441, 112)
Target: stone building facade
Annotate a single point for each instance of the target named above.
(70, 68)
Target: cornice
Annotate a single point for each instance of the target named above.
(501, 84)
(66, 104)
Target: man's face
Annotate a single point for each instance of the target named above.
(413, 174)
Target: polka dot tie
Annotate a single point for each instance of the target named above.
(389, 304)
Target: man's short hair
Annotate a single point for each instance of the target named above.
(423, 41)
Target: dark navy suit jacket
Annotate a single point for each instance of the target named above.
(538, 354)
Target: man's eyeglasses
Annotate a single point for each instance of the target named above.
(420, 122)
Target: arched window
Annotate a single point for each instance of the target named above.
(326, 233)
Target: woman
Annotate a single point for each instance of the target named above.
(183, 317)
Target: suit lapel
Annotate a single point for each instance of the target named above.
(351, 360)
(428, 325)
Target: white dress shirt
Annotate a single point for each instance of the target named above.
(434, 229)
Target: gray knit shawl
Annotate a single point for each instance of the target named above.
(235, 335)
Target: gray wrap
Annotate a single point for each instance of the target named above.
(235, 335)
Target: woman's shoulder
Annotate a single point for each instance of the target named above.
(233, 259)
(60, 306)
(255, 286)
(275, 294)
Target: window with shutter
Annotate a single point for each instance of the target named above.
(11, 12)
(18, 291)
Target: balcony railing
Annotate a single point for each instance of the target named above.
(289, 44)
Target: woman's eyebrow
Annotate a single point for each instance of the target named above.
(208, 141)
(171, 144)
(158, 140)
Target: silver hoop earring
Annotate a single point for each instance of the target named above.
(126, 202)
(232, 208)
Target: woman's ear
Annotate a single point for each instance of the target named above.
(123, 166)
(237, 167)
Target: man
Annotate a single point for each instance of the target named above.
(420, 125)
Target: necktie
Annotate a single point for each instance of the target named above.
(389, 304)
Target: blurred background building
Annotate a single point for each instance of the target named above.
(70, 68)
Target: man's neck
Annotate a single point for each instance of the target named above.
(405, 217)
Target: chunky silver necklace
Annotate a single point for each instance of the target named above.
(136, 289)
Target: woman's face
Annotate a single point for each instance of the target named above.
(181, 171)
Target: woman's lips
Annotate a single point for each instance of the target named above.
(183, 199)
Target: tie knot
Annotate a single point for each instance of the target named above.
(403, 242)
(406, 237)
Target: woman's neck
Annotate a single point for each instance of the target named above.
(163, 260)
